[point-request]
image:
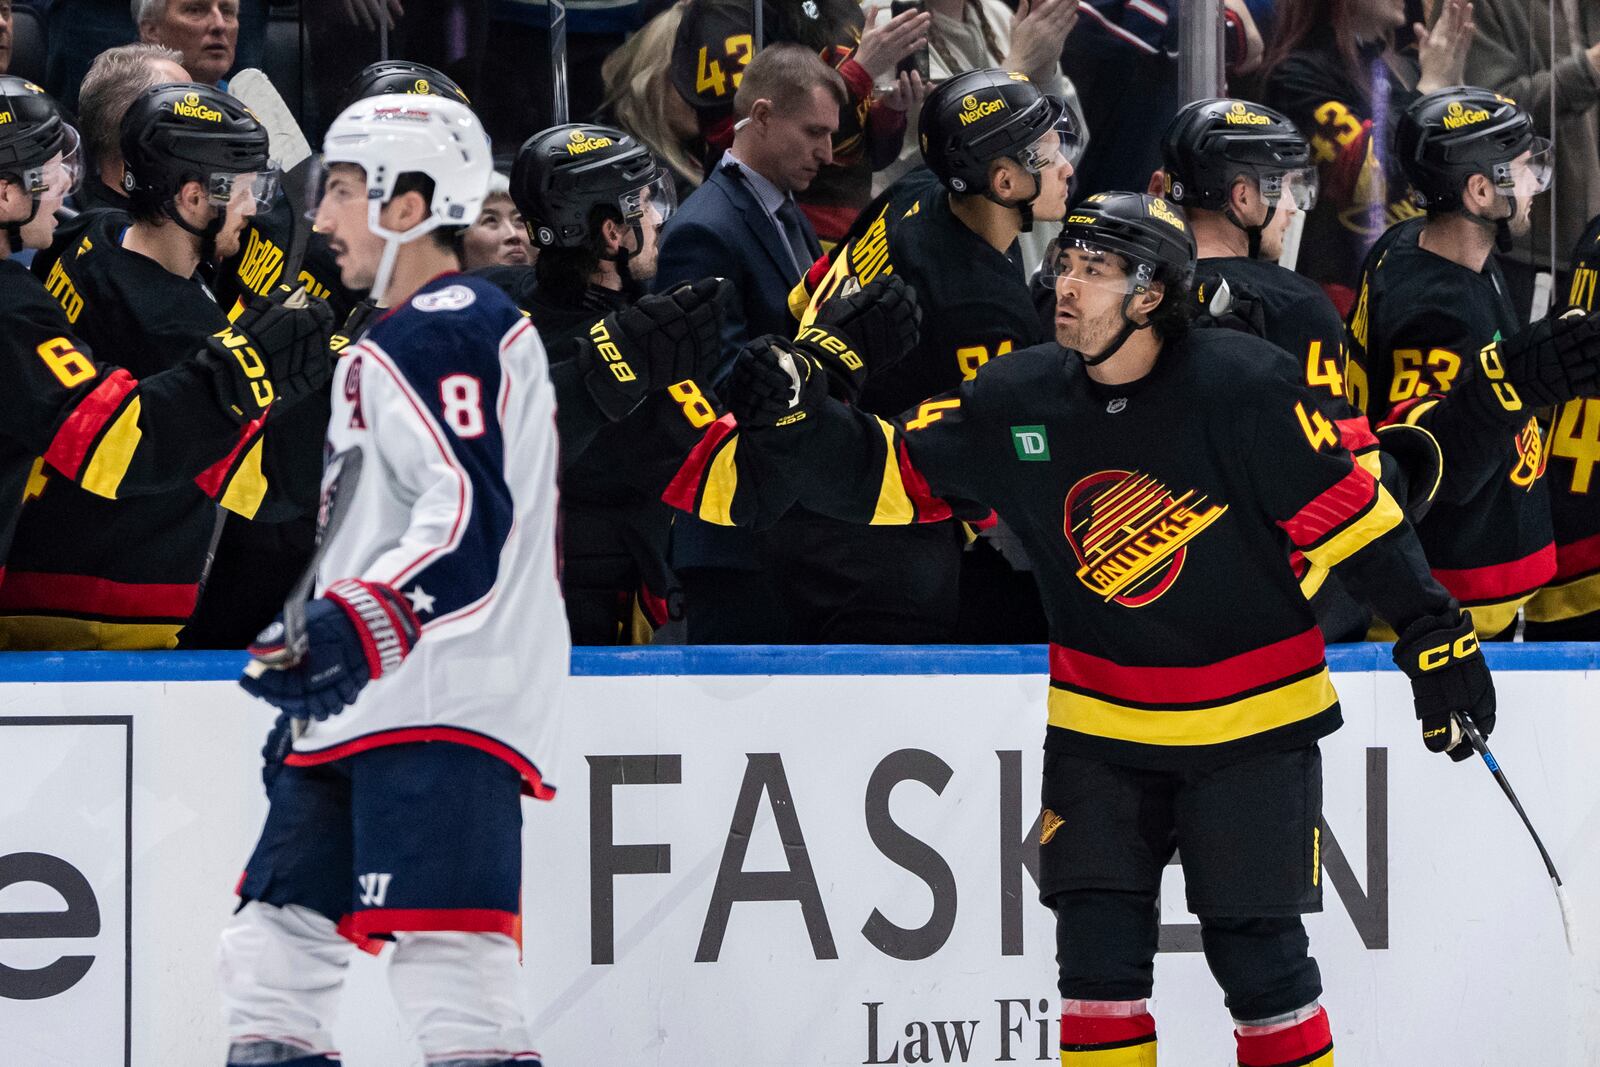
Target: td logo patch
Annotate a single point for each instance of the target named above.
(1031, 443)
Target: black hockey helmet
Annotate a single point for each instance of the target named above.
(1448, 135)
(1211, 143)
(32, 133)
(390, 76)
(562, 174)
(1147, 232)
(980, 116)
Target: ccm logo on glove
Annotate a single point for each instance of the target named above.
(608, 352)
(250, 362)
(1440, 655)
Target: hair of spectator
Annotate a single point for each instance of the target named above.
(1298, 19)
(115, 80)
(147, 10)
(786, 74)
(639, 90)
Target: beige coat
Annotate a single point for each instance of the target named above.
(1512, 55)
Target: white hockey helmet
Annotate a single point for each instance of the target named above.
(402, 133)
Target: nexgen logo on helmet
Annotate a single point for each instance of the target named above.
(974, 109)
(579, 143)
(1456, 116)
(1158, 209)
(190, 107)
(1240, 115)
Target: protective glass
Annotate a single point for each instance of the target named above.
(1083, 265)
(233, 190)
(657, 201)
(61, 177)
(1528, 174)
(1060, 142)
(1300, 186)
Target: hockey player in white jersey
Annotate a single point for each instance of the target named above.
(430, 687)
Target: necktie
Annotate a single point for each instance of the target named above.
(794, 232)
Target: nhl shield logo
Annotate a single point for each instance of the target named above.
(1130, 534)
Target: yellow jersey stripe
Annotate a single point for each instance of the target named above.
(1569, 600)
(53, 633)
(722, 481)
(1212, 725)
(248, 486)
(1142, 1055)
(894, 507)
(104, 472)
(1383, 516)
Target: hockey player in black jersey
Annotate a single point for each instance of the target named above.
(1161, 481)
(1436, 343)
(1241, 172)
(196, 164)
(66, 417)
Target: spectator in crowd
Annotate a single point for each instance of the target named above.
(714, 43)
(1336, 72)
(205, 32)
(1512, 55)
(743, 225)
(5, 36)
(96, 26)
(117, 77)
(497, 238)
(1122, 56)
(640, 99)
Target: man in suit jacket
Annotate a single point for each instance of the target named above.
(743, 225)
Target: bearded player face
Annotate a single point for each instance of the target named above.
(1090, 288)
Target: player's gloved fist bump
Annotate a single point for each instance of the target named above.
(355, 632)
(275, 351)
(657, 341)
(1440, 655)
(1555, 359)
(773, 383)
(876, 326)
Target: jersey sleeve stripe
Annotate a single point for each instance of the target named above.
(75, 440)
(1332, 509)
(1356, 433)
(895, 506)
(722, 483)
(214, 479)
(684, 488)
(1383, 515)
(929, 508)
(247, 486)
(109, 462)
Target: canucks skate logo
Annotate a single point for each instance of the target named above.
(190, 107)
(1129, 534)
(1456, 116)
(1049, 823)
(1533, 455)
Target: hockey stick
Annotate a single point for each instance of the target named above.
(1470, 728)
(558, 63)
(339, 480)
(290, 150)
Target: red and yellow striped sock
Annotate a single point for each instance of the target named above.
(1108, 1040)
(1308, 1043)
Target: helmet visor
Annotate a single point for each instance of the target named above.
(257, 187)
(1060, 142)
(1082, 264)
(654, 202)
(1530, 173)
(1300, 186)
(60, 176)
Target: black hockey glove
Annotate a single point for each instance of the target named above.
(276, 351)
(361, 316)
(773, 384)
(657, 341)
(871, 329)
(1448, 676)
(1549, 362)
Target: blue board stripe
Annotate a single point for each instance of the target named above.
(736, 660)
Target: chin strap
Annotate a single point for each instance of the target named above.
(1501, 226)
(1021, 207)
(1252, 233)
(207, 233)
(1129, 328)
(630, 286)
(14, 229)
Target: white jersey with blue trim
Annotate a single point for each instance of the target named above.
(449, 398)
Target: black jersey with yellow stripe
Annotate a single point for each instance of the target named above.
(1165, 521)
(1419, 323)
(85, 571)
(974, 299)
(1568, 608)
(65, 416)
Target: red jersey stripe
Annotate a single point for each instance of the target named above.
(1331, 509)
(533, 783)
(1579, 557)
(1106, 1029)
(82, 594)
(929, 508)
(685, 485)
(1212, 682)
(1498, 581)
(72, 442)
